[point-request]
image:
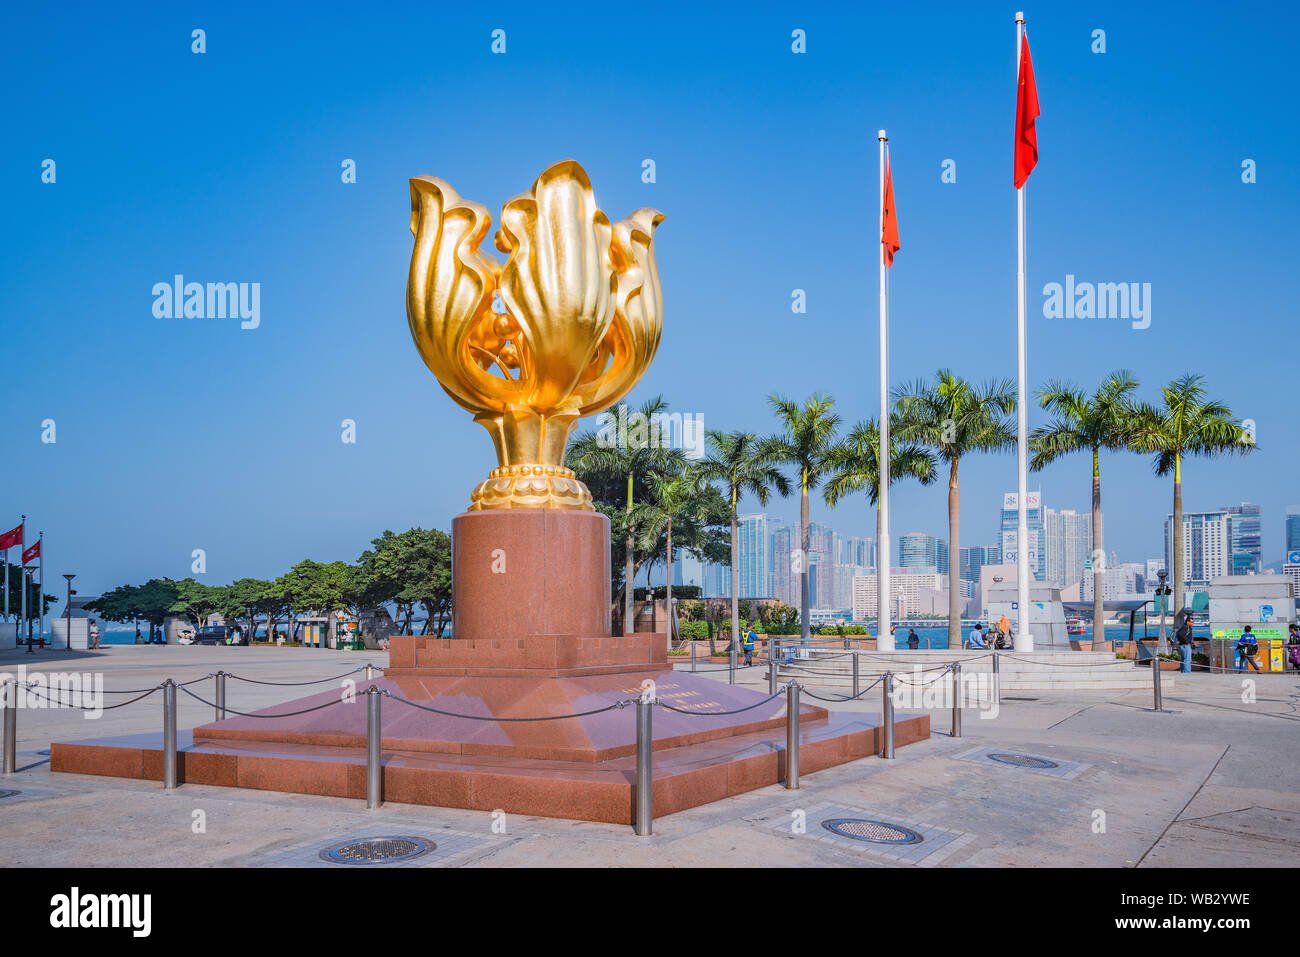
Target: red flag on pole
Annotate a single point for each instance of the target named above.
(32, 553)
(11, 539)
(1026, 113)
(889, 226)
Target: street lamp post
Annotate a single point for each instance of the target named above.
(67, 611)
(1162, 591)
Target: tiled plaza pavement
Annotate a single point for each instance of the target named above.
(1215, 781)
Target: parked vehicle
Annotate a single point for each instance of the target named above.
(221, 635)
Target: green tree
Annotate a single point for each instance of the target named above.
(1088, 423)
(1186, 423)
(806, 441)
(631, 456)
(673, 498)
(956, 418)
(855, 465)
(411, 569)
(196, 600)
(742, 463)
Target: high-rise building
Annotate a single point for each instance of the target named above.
(975, 557)
(859, 551)
(1069, 546)
(1291, 535)
(1245, 539)
(1154, 567)
(1009, 544)
(920, 592)
(687, 569)
(752, 546)
(1206, 547)
(921, 552)
(717, 581)
(1117, 582)
(821, 566)
(785, 582)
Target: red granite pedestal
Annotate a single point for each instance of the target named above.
(532, 605)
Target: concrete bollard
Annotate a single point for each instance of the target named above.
(1155, 680)
(956, 699)
(374, 767)
(887, 715)
(169, 734)
(644, 768)
(792, 736)
(220, 698)
(10, 689)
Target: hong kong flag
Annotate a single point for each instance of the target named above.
(11, 539)
(1026, 113)
(32, 553)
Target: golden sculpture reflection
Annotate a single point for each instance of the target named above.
(564, 328)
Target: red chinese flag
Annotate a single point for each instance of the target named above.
(1026, 113)
(889, 227)
(32, 553)
(11, 539)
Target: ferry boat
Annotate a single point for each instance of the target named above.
(1075, 626)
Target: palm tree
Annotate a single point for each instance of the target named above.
(673, 498)
(808, 438)
(1187, 424)
(855, 465)
(594, 453)
(956, 418)
(1082, 422)
(741, 462)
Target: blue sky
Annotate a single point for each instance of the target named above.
(178, 434)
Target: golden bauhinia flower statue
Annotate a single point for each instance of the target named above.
(581, 321)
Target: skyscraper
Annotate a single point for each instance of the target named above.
(1069, 546)
(1291, 535)
(752, 547)
(920, 551)
(1008, 542)
(1206, 547)
(975, 557)
(1245, 539)
(785, 584)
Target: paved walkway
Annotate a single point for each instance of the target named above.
(1213, 782)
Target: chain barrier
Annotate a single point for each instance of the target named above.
(62, 704)
(246, 714)
(480, 717)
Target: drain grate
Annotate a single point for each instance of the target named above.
(377, 850)
(1024, 761)
(874, 832)
(8, 793)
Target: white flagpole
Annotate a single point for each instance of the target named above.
(884, 640)
(1024, 640)
(22, 575)
(40, 600)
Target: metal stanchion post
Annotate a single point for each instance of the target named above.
(1155, 679)
(692, 657)
(220, 677)
(374, 770)
(731, 665)
(997, 678)
(11, 725)
(169, 733)
(370, 671)
(772, 677)
(888, 715)
(644, 768)
(956, 699)
(792, 736)
(855, 676)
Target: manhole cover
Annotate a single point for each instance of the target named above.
(1023, 761)
(874, 832)
(8, 793)
(377, 850)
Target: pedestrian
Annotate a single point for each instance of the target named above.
(94, 634)
(976, 639)
(1246, 647)
(747, 645)
(913, 640)
(1185, 645)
